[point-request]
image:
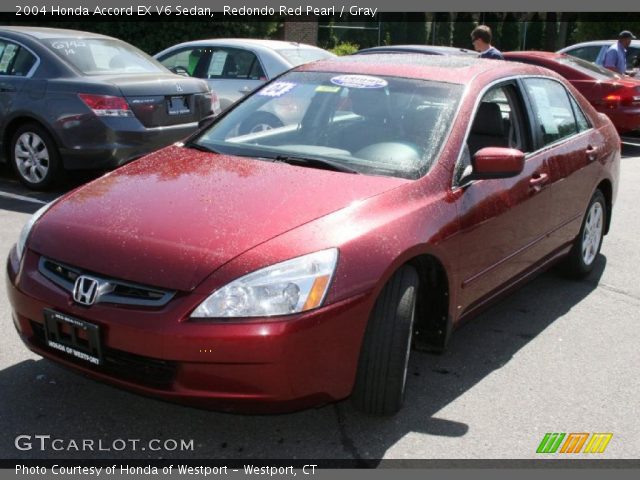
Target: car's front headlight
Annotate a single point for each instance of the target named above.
(293, 286)
(26, 230)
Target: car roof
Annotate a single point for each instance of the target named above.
(268, 44)
(461, 69)
(42, 33)
(634, 43)
(427, 49)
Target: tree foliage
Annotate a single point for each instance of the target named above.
(155, 36)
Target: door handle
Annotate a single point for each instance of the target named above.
(592, 153)
(538, 180)
(244, 90)
(7, 87)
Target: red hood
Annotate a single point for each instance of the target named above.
(175, 216)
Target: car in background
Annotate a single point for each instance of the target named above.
(77, 100)
(595, 51)
(425, 49)
(616, 96)
(296, 266)
(233, 67)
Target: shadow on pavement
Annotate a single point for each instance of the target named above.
(11, 190)
(38, 397)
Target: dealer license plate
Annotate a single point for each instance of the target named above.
(178, 106)
(73, 336)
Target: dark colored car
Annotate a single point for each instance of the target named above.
(424, 49)
(296, 266)
(76, 100)
(616, 96)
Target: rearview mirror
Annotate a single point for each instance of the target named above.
(497, 162)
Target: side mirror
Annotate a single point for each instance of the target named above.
(497, 162)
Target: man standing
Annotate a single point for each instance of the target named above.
(616, 57)
(481, 40)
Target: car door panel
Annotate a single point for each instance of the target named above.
(504, 222)
(503, 230)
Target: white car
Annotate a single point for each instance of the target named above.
(595, 51)
(237, 66)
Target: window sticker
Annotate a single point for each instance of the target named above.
(359, 81)
(277, 89)
(327, 89)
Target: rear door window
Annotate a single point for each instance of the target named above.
(15, 60)
(233, 63)
(586, 53)
(552, 109)
(633, 57)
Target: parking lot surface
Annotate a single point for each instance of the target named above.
(556, 356)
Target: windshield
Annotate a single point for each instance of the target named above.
(299, 56)
(367, 124)
(97, 56)
(591, 69)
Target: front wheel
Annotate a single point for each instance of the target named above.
(586, 247)
(34, 156)
(384, 358)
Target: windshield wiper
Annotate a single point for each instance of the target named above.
(315, 162)
(200, 147)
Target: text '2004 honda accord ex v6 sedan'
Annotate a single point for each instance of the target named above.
(299, 265)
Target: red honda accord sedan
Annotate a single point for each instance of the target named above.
(616, 96)
(299, 265)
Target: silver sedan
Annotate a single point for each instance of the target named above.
(235, 67)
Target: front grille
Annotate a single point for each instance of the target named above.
(111, 290)
(146, 371)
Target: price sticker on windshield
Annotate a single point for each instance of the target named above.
(277, 89)
(359, 81)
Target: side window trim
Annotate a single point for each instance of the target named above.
(33, 68)
(576, 105)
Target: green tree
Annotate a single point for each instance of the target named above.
(158, 35)
(605, 29)
(443, 28)
(462, 28)
(510, 33)
(535, 30)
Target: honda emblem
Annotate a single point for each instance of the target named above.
(85, 290)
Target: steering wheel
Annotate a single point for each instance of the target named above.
(178, 70)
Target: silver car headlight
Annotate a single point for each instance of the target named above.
(26, 230)
(288, 287)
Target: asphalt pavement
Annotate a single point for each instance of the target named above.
(555, 356)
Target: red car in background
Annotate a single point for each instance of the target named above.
(616, 96)
(298, 265)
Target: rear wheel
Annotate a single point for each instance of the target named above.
(587, 244)
(34, 156)
(384, 358)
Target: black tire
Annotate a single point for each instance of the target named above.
(382, 369)
(34, 157)
(586, 246)
(259, 122)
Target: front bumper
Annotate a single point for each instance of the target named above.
(254, 366)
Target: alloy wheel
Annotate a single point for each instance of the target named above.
(32, 157)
